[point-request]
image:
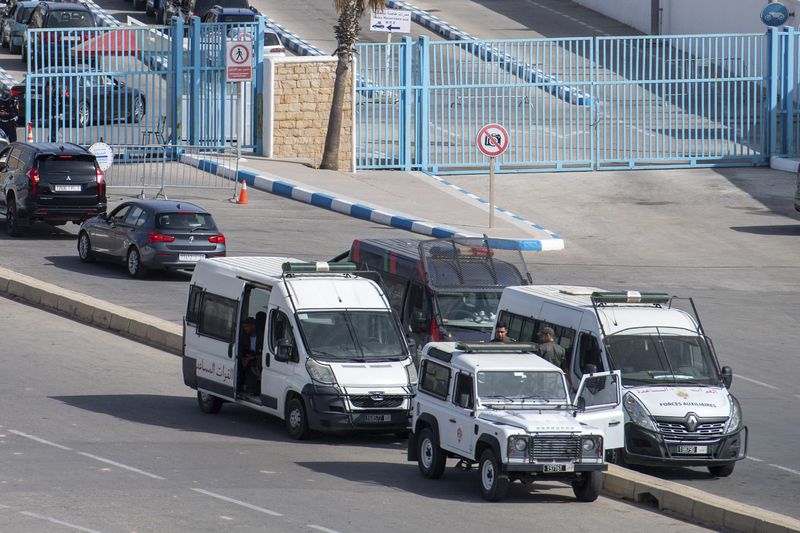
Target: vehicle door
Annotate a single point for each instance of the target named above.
(255, 306)
(417, 317)
(6, 176)
(283, 357)
(123, 232)
(601, 396)
(101, 232)
(434, 392)
(458, 433)
(211, 328)
(587, 352)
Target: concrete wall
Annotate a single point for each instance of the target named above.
(634, 13)
(298, 93)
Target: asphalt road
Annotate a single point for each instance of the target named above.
(99, 434)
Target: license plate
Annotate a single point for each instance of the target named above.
(190, 258)
(692, 450)
(559, 468)
(68, 188)
(376, 418)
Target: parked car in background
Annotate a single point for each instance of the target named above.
(57, 49)
(93, 98)
(152, 234)
(14, 25)
(54, 183)
(273, 45)
(154, 7)
(197, 8)
(231, 15)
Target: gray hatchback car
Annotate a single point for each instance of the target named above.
(152, 234)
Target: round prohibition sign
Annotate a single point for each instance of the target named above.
(492, 140)
(239, 54)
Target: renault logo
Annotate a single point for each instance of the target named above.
(377, 395)
(69, 179)
(691, 422)
(191, 238)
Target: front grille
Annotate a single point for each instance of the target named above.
(702, 431)
(555, 448)
(376, 402)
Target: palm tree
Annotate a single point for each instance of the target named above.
(346, 30)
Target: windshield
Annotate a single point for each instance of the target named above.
(525, 386)
(472, 310)
(352, 335)
(662, 356)
(70, 19)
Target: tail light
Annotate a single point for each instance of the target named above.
(16, 91)
(100, 176)
(434, 331)
(154, 236)
(217, 239)
(33, 176)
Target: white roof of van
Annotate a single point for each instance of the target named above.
(495, 361)
(616, 317)
(252, 268)
(335, 292)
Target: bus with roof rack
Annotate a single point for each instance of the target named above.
(313, 344)
(678, 409)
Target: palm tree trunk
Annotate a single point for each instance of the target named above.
(333, 137)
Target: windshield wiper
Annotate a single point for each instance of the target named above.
(540, 398)
(506, 398)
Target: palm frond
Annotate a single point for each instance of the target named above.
(372, 5)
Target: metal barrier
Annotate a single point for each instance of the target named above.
(162, 167)
(568, 103)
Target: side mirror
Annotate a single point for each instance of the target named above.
(419, 322)
(284, 351)
(727, 376)
(589, 368)
(581, 403)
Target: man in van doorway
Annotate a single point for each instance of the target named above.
(501, 333)
(250, 356)
(550, 350)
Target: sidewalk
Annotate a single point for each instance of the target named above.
(407, 200)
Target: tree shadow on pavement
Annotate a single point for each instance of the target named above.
(182, 413)
(455, 485)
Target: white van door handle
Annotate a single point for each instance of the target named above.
(453, 420)
(614, 423)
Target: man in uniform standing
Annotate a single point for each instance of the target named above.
(8, 116)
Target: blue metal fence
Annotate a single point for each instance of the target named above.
(569, 104)
(144, 85)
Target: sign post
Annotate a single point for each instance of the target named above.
(492, 142)
(238, 70)
(390, 21)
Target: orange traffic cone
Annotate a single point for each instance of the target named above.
(29, 138)
(243, 194)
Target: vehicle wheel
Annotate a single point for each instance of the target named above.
(85, 248)
(208, 403)
(722, 470)
(12, 221)
(493, 484)
(84, 114)
(587, 486)
(137, 110)
(296, 421)
(135, 267)
(431, 458)
(14, 48)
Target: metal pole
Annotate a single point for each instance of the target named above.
(240, 120)
(491, 192)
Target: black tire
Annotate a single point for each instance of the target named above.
(12, 219)
(85, 248)
(133, 261)
(208, 403)
(722, 470)
(3, 39)
(430, 457)
(296, 419)
(494, 484)
(83, 115)
(137, 111)
(587, 486)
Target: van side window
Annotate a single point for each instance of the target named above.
(218, 317)
(588, 353)
(464, 395)
(280, 329)
(416, 302)
(526, 329)
(255, 306)
(395, 291)
(194, 304)
(434, 379)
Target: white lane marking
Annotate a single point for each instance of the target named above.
(120, 465)
(785, 469)
(751, 380)
(756, 459)
(237, 502)
(323, 529)
(37, 439)
(59, 522)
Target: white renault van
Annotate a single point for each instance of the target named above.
(330, 351)
(678, 411)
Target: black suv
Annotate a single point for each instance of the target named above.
(58, 47)
(196, 8)
(55, 183)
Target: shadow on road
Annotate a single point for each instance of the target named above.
(37, 231)
(791, 230)
(111, 269)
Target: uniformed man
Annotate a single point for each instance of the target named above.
(550, 350)
(8, 116)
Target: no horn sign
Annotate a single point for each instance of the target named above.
(492, 140)
(239, 61)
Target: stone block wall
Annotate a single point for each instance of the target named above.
(299, 91)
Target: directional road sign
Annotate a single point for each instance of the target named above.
(492, 140)
(239, 61)
(391, 21)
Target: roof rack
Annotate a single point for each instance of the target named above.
(630, 297)
(497, 347)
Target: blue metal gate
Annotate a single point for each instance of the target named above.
(569, 104)
(143, 85)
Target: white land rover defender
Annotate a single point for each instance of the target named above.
(508, 410)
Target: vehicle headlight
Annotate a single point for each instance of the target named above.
(735, 420)
(592, 447)
(517, 446)
(411, 372)
(320, 373)
(637, 412)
